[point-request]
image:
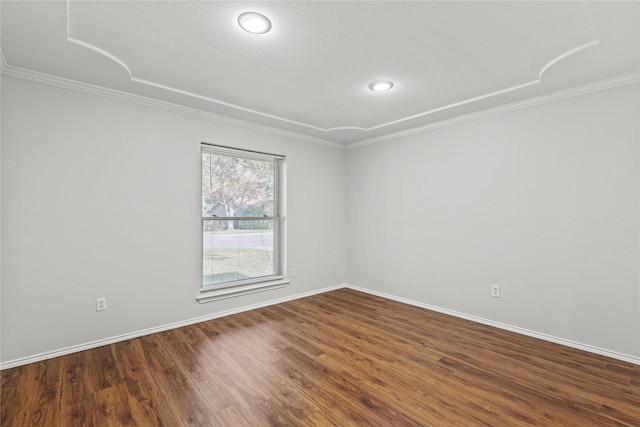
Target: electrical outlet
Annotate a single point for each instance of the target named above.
(293, 272)
(334, 266)
(101, 304)
(495, 291)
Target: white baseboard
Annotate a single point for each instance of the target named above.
(111, 340)
(522, 331)
(99, 343)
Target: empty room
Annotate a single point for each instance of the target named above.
(320, 213)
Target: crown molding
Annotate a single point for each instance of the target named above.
(129, 71)
(87, 88)
(193, 95)
(625, 79)
(536, 81)
(50, 80)
(150, 83)
(327, 140)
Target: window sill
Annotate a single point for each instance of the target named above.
(236, 291)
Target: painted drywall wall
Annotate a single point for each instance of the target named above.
(102, 198)
(542, 201)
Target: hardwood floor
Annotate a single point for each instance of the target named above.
(342, 358)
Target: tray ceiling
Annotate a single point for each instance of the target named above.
(310, 73)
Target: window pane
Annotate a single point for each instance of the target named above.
(241, 216)
(237, 250)
(236, 186)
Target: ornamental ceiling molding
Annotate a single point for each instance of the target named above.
(623, 80)
(89, 89)
(86, 88)
(133, 78)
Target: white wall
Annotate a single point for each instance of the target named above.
(543, 202)
(102, 198)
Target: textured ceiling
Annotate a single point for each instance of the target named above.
(310, 74)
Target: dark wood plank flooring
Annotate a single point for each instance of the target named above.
(341, 358)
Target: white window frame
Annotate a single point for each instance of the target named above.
(258, 284)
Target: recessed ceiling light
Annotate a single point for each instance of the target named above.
(381, 85)
(254, 23)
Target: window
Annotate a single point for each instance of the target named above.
(241, 222)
